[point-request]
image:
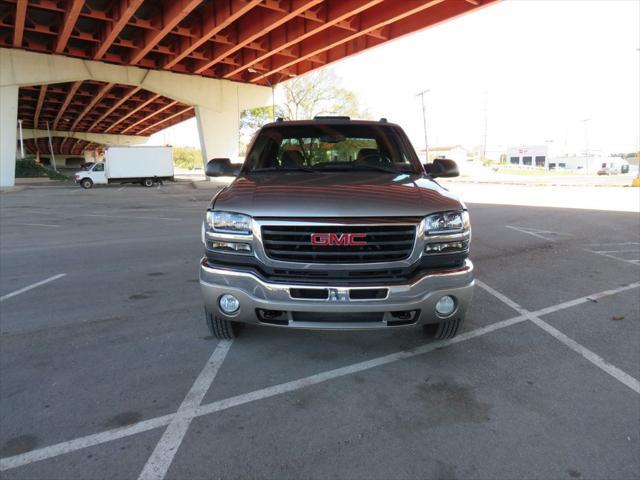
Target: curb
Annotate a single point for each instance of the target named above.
(15, 189)
(206, 185)
(536, 184)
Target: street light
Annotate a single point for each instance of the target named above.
(586, 141)
(636, 181)
(424, 123)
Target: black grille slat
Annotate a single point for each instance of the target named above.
(384, 243)
(281, 243)
(336, 253)
(342, 229)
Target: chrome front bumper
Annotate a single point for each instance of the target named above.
(419, 296)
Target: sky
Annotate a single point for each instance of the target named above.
(538, 68)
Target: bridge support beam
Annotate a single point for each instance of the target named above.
(103, 138)
(218, 133)
(8, 135)
(218, 103)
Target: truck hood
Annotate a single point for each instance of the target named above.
(335, 194)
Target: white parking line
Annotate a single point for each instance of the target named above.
(146, 425)
(543, 234)
(589, 298)
(592, 357)
(31, 287)
(597, 360)
(617, 251)
(127, 216)
(32, 225)
(350, 369)
(8, 463)
(166, 449)
(63, 448)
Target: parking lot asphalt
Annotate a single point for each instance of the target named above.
(107, 369)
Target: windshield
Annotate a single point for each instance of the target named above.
(331, 148)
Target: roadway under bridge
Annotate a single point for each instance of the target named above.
(100, 72)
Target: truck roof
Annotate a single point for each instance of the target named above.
(330, 120)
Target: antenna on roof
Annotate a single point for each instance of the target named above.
(383, 120)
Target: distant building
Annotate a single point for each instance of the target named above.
(452, 152)
(529, 156)
(539, 156)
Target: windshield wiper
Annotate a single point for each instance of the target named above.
(351, 167)
(286, 169)
(378, 168)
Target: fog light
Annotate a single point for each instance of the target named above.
(445, 306)
(228, 303)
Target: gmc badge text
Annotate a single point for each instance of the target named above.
(335, 224)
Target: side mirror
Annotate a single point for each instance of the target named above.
(442, 167)
(221, 167)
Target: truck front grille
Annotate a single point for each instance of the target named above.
(383, 243)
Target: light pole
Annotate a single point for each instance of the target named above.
(636, 182)
(424, 123)
(586, 141)
(486, 117)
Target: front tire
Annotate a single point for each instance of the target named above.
(220, 328)
(444, 330)
(86, 183)
(148, 182)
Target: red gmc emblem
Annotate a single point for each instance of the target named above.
(329, 239)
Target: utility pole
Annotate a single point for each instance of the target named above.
(424, 124)
(486, 129)
(586, 141)
(636, 181)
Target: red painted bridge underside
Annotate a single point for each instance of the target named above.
(253, 41)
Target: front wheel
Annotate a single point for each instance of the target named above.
(444, 330)
(86, 183)
(220, 328)
(148, 182)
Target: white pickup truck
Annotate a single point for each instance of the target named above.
(143, 165)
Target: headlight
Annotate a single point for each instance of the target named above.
(227, 222)
(446, 222)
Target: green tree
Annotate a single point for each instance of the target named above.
(187, 157)
(250, 121)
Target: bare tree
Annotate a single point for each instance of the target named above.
(318, 93)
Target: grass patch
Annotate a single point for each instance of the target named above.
(533, 172)
(31, 169)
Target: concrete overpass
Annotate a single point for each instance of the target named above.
(130, 68)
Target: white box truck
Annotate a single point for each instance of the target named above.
(143, 165)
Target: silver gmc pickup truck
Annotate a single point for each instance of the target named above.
(334, 224)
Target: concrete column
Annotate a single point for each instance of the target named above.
(218, 103)
(218, 133)
(8, 134)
